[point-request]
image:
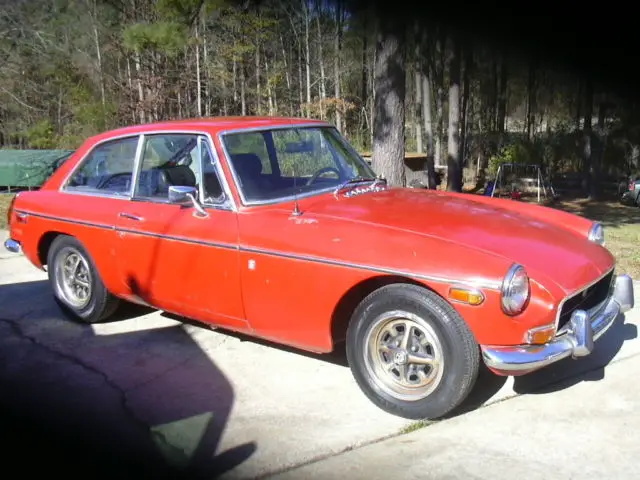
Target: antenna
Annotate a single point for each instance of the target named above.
(296, 207)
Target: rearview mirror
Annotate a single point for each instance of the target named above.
(183, 195)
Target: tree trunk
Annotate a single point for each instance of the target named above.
(418, 109)
(597, 161)
(140, 88)
(269, 90)
(322, 86)
(586, 137)
(454, 166)
(502, 100)
(336, 64)
(428, 129)
(287, 75)
(531, 103)
(468, 58)
(258, 88)
(243, 98)
(300, 88)
(390, 86)
(442, 41)
(198, 81)
(207, 93)
(307, 59)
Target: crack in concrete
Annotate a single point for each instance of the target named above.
(122, 393)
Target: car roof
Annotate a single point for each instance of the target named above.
(212, 125)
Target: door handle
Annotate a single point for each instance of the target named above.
(130, 216)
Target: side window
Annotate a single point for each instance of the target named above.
(107, 169)
(211, 185)
(167, 159)
(249, 143)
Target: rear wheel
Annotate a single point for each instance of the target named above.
(411, 353)
(77, 286)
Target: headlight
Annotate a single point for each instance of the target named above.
(596, 234)
(515, 290)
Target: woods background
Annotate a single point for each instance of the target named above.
(390, 80)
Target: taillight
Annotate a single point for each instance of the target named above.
(10, 209)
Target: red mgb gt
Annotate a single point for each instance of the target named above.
(277, 228)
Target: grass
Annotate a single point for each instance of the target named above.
(621, 229)
(5, 199)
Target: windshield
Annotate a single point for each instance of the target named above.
(275, 164)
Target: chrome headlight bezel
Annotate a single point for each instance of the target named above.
(515, 292)
(596, 233)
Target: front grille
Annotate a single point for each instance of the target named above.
(586, 299)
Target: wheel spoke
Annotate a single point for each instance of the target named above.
(421, 359)
(406, 336)
(403, 370)
(80, 282)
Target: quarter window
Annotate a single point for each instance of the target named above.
(107, 169)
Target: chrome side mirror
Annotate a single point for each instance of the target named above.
(187, 196)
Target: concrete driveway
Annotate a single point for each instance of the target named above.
(149, 392)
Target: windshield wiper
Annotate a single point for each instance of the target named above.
(357, 180)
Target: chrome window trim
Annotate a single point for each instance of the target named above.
(80, 163)
(230, 204)
(137, 164)
(577, 292)
(287, 198)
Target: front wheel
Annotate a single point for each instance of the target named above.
(411, 353)
(77, 286)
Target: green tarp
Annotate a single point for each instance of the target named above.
(29, 168)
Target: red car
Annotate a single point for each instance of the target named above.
(277, 228)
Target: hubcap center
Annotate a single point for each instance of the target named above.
(400, 357)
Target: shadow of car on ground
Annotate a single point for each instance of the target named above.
(107, 406)
(85, 402)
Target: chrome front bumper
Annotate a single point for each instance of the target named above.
(12, 245)
(575, 341)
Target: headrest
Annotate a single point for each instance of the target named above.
(180, 175)
(247, 163)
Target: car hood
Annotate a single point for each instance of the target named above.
(549, 252)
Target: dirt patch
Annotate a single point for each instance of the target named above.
(5, 200)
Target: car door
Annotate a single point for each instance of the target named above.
(93, 194)
(170, 255)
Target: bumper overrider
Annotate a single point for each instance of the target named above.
(12, 245)
(576, 340)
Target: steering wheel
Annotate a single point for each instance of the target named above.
(315, 176)
(105, 183)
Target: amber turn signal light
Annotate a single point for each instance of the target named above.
(540, 335)
(465, 295)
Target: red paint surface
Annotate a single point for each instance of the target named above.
(448, 237)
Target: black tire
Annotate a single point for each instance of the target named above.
(100, 304)
(459, 350)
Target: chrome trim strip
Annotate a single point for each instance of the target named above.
(137, 165)
(287, 198)
(577, 292)
(476, 284)
(68, 220)
(372, 268)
